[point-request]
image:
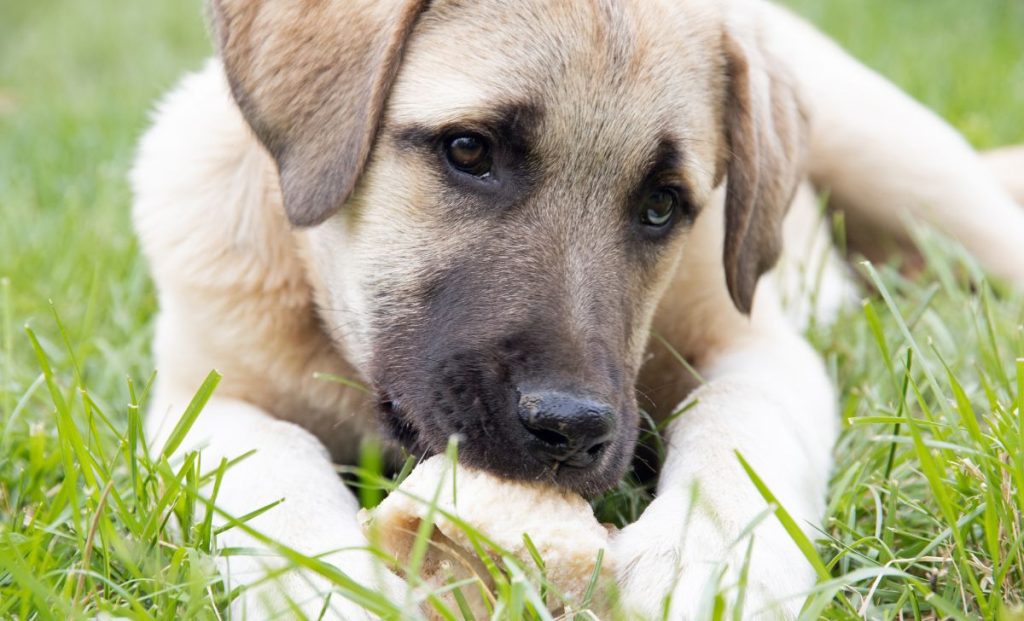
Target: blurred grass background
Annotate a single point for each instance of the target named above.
(77, 78)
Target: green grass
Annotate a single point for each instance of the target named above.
(924, 518)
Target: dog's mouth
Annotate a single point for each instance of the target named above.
(398, 426)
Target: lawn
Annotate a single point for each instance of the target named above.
(925, 514)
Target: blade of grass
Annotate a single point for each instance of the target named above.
(195, 407)
(788, 523)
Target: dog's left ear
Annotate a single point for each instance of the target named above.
(766, 133)
(311, 78)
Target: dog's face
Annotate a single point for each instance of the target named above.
(518, 221)
(523, 200)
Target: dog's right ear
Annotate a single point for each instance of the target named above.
(767, 134)
(311, 78)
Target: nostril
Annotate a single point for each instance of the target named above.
(595, 450)
(547, 436)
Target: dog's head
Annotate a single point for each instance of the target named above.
(498, 194)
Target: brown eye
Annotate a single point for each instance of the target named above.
(658, 207)
(469, 153)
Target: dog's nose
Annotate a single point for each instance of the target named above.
(565, 429)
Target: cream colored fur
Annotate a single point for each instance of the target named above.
(236, 285)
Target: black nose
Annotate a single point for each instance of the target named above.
(565, 429)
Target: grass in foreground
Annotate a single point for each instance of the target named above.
(924, 519)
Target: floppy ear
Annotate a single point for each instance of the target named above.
(766, 133)
(311, 78)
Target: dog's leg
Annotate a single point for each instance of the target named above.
(1007, 164)
(884, 156)
(770, 401)
(317, 515)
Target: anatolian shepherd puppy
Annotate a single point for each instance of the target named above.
(474, 207)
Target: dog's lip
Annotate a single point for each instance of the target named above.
(398, 424)
(588, 481)
(389, 408)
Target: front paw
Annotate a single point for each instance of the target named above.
(684, 553)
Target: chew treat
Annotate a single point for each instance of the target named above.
(560, 524)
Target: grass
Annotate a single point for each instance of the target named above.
(924, 517)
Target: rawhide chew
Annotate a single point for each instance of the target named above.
(560, 524)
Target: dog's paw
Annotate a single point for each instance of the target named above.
(682, 554)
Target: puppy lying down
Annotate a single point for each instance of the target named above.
(560, 524)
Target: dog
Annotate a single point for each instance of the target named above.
(478, 211)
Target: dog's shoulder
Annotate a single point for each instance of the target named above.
(207, 204)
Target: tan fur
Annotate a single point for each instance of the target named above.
(313, 129)
(313, 259)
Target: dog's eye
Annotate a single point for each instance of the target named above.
(470, 154)
(658, 207)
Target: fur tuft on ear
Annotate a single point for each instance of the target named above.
(311, 78)
(766, 133)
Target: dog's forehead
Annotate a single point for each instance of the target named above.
(636, 69)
